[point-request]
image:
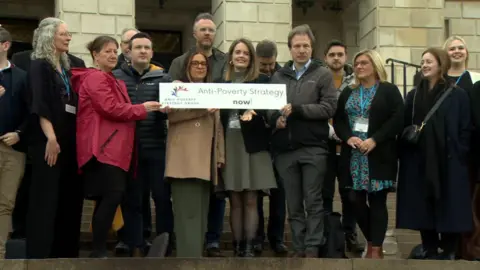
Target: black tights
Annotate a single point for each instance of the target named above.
(432, 240)
(103, 215)
(243, 215)
(372, 218)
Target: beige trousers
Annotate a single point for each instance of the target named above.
(12, 166)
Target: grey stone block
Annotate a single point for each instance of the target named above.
(359, 264)
(13, 264)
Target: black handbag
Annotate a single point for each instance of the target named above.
(411, 134)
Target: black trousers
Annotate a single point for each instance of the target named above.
(277, 215)
(55, 205)
(106, 203)
(372, 218)
(348, 210)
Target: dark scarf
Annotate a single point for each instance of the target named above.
(432, 143)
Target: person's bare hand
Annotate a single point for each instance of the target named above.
(10, 138)
(177, 81)
(165, 109)
(52, 149)
(212, 110)
(367, 146)
(152, 106)
(354, 142)
(287, 110)
(281, 122)
(2, 90)
(248, 115)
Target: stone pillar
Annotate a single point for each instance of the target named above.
(401, 29)
(88, 19)
(350, 28)
(253, 19)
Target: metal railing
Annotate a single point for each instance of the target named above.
(392, 63)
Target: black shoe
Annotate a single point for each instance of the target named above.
(446, 256)
(280, 249)
(352, 243)
(214, 252)
(122, 250)
(237, 249)
(248, 252)
(98, 254)
(258, 248)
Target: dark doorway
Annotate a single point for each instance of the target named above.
(167, 45)
(22, 33)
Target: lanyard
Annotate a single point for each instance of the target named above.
(65, 80)
(459, 78)
(363, 103)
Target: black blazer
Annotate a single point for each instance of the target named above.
(384, 125)
(256, 135)
(23, 60)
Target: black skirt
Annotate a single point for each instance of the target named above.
(100, 179)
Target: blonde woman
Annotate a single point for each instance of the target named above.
(457, 50)
(369, 118)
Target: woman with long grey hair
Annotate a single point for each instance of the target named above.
(55, 206)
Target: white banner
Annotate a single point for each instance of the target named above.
(223, 96)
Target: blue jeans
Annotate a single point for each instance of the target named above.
(150, 173)
(216, 214)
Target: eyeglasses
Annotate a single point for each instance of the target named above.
(361, 63)
(198, 64)
(207, 29)
(65, 34)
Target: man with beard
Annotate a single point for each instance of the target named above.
(335, 58)
(204, 30)
(266, 51)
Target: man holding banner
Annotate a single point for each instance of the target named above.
(300, 140)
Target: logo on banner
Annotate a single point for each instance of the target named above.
(177, 89)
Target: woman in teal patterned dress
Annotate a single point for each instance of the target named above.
(369, 117)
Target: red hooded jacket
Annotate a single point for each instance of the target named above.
(105, 118)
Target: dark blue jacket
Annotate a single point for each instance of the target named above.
(13, 104)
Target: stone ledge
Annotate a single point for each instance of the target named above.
(231, 263)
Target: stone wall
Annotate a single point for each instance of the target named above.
(367, 22)
(463, 19)
(350, 28)
(88, 19)
(255, 19)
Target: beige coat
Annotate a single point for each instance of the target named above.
(189, 144)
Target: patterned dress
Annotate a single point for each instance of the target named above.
(359, 162)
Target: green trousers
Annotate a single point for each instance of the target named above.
(190, 207)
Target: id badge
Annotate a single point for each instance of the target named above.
(361, 125)
(234, 121)
(70, 109)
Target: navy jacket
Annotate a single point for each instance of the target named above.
(14, 104)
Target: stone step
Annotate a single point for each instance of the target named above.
(236, 263)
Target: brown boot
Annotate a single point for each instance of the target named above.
(377, 253)
(368, 253)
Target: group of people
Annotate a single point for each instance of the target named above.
(101, 134)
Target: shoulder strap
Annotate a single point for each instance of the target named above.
(437, 105)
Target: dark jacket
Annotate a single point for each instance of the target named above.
(384, 124)
(23, 59)
(314, 101)
(216, 62)
(255, 133)
(151, 132)
(49, 98)
(450, 129)
(14, 104)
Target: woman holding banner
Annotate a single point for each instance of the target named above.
(248, 168)
(195, 151)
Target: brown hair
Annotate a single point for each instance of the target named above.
(252, 69)
(444, 62)
(303, 29)
(98, 43)
(188, 63)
